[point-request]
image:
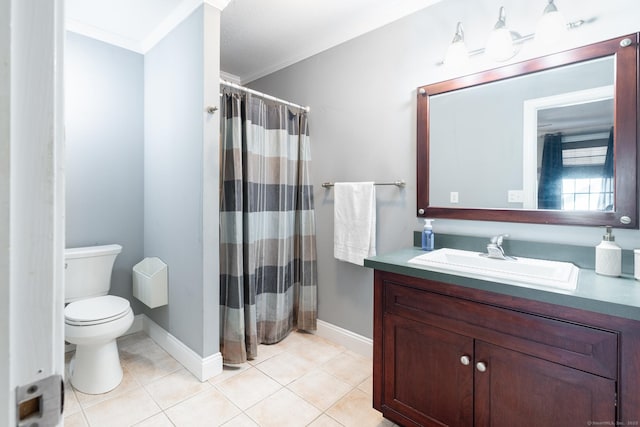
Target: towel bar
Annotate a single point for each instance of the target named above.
(400, 184)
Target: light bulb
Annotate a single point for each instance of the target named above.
(500, 43)
(457, 55)
(552, 28)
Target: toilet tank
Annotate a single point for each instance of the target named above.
(88, 271)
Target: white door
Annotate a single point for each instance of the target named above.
(31, 211)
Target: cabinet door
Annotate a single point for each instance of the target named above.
(428, 374)
(513, 389)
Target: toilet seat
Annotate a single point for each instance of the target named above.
(95, 311)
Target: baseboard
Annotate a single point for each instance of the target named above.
(352, 341)
(201, 368)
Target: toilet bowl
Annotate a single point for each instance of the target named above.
(93, 320)
(93, 325)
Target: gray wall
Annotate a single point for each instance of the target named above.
(179, 227)
(104, 152)
(363, 120)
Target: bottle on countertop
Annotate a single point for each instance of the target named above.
(427, 236)
(608, 256)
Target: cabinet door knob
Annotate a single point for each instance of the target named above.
(481, 366)
(465, 360)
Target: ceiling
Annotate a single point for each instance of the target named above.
(258, 37)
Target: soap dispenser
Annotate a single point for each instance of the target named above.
(608, 256)
(427, 235)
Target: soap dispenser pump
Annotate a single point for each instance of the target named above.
(427, 235)
(608, 256)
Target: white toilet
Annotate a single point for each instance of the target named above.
(93, 320)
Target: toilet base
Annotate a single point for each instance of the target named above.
(96, 369)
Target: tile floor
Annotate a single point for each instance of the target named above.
(304, 380)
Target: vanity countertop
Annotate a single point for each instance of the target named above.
(616, 296)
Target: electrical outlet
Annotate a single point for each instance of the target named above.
(453, 197)
(515, 196)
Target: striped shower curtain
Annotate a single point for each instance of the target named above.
(268, 277)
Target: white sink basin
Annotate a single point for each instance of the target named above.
(520, 271)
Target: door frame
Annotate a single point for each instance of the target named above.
(31, 196)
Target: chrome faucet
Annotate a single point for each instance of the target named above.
(495, 249)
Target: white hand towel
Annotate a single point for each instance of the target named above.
(354, 236)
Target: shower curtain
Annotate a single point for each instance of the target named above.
(268, 276)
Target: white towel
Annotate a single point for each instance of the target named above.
(354, 235)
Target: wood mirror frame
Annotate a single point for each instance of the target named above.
(626, 84)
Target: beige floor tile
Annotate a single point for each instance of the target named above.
(151, 366)
(315, 349)
(229, 371)
(75, 420)
(209, 408)
(325, 421)
(175, 387)
(71, 404)
(128, 384)
(320, 389)
(286, 367)
(293, 339)
(283, 409)
(159, 420)
(134, 346)
(356, 410)
(132, 340)
(241, 420)
(266, 351)
(248, 388)
(349, 367)
(130, 346)
(123, 410)
(367, 386)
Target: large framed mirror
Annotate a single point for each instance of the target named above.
(551, 140)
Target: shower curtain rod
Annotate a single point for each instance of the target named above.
(263, 95)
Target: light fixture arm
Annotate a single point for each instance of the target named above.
(459, 36)
(502, 19)
(526, 37)
(551, 7)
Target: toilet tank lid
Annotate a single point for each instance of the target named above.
(88, 251)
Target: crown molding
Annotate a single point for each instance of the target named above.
(171, 21)
(218, 4)
(104, 36)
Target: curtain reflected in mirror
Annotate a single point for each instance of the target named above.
(606, 197)
(551, 173)
(577, 172)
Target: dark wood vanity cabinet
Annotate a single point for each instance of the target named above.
(446, 355)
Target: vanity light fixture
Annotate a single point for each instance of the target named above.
(457, 53)
(552, 27)
(500, 45)
(503, 43)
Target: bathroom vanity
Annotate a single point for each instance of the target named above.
(458, 351)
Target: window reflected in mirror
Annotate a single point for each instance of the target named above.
(575, 146)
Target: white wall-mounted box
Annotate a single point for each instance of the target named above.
(150, 283)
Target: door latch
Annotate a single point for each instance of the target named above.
(39, 404)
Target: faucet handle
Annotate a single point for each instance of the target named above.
(497, 240)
